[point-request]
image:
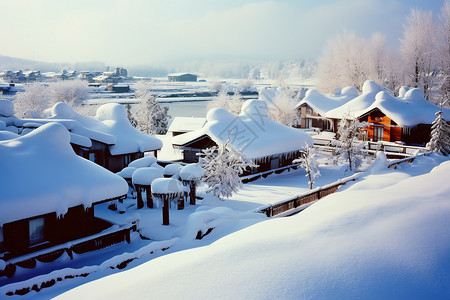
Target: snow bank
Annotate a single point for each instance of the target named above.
(2, 125)
(6, 108)
(167, 186)
(41, 174)
(192, 172)
(111, 119)
(146, 175)
(252, 131)
(388, 243)
(145, 161)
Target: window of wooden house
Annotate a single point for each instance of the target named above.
(378, 133)
(127, 159)
(275, 163)
(1, 238)
(92, 156)
(36, 230)
(308, 123)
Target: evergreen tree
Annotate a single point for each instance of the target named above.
(440, 134)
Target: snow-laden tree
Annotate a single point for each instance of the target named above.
(440, 134)
(36, 97)
(443, 48)
(418, 48)
(349, 143)
(282, 107)
(130, 116)
(232, 103)
(308, 161)
(151, 118)
(223, 165)
(72, 92)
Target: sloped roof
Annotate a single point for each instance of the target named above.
(410, 110)
(362, 102)
(42, 174)
(252, 131)
(186, 124)
(322, 103)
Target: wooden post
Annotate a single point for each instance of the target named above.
(149, 196)
(140, 202)
(192, 192)
(165, 209)
(180, 203)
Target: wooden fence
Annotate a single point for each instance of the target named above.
(95, 242)
(300, 202)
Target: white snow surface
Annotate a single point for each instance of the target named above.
(167, 186)
(6, 108)
(186, 124)
(410, 110)
(362, 102)
(252, 131)
(7, 135)
(378, 239)
(172, 169)
(111, 119)
(41, 174)
(322, 103)
(145, 161)
(146, 175)
(192, 172)
(127, 172)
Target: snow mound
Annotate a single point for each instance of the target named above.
(2, 125)
(192, 172)
(402, 91)
(218, 114)
(350, 91)
(370, 86)
(414, 94)
(127, 172)
(7, 135)
(167, 186)
(6, 108)
(146, 175)
(145, 161)
(172, 169)
(255, 108)
(321, 103)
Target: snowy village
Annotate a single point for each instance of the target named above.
(309, 169)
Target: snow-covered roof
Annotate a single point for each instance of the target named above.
(167, 186)
(186, 124)
(111, 119)
(42, 174)
(127, 172)
(6, 108)
(321, 103)
(192, 172)
(181, 74)
(172, 169)
(363, 101)
(145, 161)
(252, 131)
(410, 110)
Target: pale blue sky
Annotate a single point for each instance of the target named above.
(135, 32)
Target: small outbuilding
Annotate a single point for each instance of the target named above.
(182, 77)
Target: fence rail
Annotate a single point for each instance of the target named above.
(300, 202)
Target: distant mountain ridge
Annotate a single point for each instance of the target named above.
(14, 63)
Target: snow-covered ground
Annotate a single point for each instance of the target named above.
(326, 246)
(384, 237)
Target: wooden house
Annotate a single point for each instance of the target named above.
(314, 107)
(269, 144)
(407, 119)
(49, 192)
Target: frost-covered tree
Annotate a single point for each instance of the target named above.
(223, 165)
(36, 97)
(418, 48)
(130, 116)
(349, 142)
(308, 161)
(443, 45)
(151, 118)
(282, 107)
(440, 134)
(232, 103)
(72, 92)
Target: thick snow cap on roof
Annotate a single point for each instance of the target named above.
(145, 176)
(411, 110)
(252, 131)
(6, 108)
(127, 172)
(112, 119)
(172, 169)
(321, 103)
(167, 186)
(42, 174)
(145, 161)
(363, 101)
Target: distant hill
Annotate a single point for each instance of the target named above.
(14, 63)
